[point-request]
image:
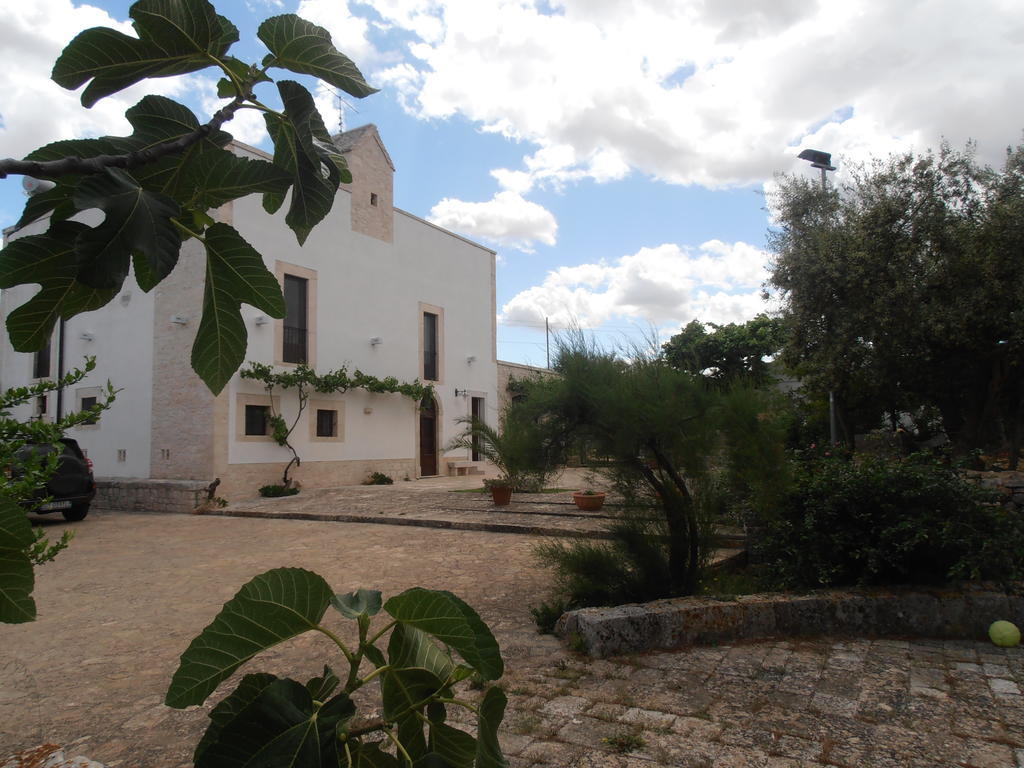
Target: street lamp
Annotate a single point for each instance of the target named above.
(823, 160)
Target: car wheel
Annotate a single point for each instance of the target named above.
(76, 513)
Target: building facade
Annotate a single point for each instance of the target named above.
(374, 288)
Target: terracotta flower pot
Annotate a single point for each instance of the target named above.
(501, 494)
(588, 502)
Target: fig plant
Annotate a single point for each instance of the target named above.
(158, 187)
(433, 639)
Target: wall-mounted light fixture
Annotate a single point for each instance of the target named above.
(261, 320)
(470, 359)
(461, 392)
(375, 340)
(179, 319)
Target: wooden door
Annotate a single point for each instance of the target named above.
(428, 438)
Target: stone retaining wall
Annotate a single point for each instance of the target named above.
(144, 495)
(668, 624)
(1010, 486)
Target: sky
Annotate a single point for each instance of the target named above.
(618, 155)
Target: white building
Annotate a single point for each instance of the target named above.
(373, 288)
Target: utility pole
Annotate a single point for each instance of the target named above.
(547, 341)
(823, 160)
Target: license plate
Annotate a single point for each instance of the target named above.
(55, 505)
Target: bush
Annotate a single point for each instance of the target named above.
(870, 521)
(276, 491)
(378, 478)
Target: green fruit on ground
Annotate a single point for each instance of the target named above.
(1004, 634)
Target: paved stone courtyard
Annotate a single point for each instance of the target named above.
(123, 602)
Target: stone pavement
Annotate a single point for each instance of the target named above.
(446, 502)
(124, 601)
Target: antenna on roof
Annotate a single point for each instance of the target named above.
(342, 103)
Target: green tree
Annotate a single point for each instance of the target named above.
(519, 447)
(729, 353)
(156, 187)
(662, 431)
(23, 489)
(902, 291)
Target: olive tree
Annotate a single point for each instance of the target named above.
(902, 290)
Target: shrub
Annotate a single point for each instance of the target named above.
(275, 491)
(872, 521)
(547, 614)
(378, 478)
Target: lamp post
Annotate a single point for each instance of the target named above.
(823, 160)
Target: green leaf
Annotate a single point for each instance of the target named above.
(369, 755)
(269, 609)
(245, 73)
(410, 733)
(223, 177)
(16, 576)
(301, 148)
(492, 710)
(363, 602)
(50, 261)
(322, 687)
(411, 647)
(235, 273)
(156, 120)
(404, 689)
(374, 654)
(144, 275)
(280, 726)
(174, 37)
(42, 203)
(230, 707)
(305, 48)
(456, 747)
(136, 220)
(450, 620)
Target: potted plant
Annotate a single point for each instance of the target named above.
(501, 490)
(518, 450)
(589, 500)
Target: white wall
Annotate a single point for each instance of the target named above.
(122, 345)
(367, 288)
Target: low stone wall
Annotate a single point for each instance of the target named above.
(144, 495)
(668, 624)
(1009, 485)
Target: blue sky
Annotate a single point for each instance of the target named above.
(615, 153)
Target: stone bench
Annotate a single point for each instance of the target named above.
(459, 468)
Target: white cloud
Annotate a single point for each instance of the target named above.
(712, 93)
(349, 33)
(36, 110)
(507, 219)
(665, 286)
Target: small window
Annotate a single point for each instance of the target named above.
(326, 423)
(87, 403)
(430, 346)
(256, 419)
(373, 199)
(296, 325)
(41, 364)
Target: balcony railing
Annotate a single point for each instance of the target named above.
(295, 349)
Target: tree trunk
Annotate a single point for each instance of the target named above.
(680, 517)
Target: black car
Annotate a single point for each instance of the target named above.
(71, 488)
